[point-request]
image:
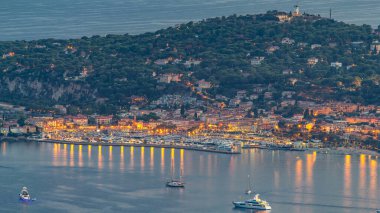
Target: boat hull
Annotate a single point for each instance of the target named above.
(25, 199)
(243, 205)
(175, 185)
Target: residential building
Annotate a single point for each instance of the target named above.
(336, 65)
(287, 41)
(204, 84)
(268, 95)
(315, 46)
(283, 17)
(312, 61)
(80, 120)
(234, 102)
(192, 62)
(161, 62)
(257, 61)
(62, 109)
(287, 94)
(272, 49)
(241, 94)
(288, 103)
(287, 72)
(170, 77)
(103, 120)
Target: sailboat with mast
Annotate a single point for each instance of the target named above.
(175, 182)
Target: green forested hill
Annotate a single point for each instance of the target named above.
(106, 71)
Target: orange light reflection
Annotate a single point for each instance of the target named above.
(142, 158)
(151, 157)
(373, 179)
(100, 157)
(80, 156)
(72, 155)
(122, 166)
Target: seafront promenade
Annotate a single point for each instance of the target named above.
(237, 150)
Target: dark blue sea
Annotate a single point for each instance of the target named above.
(35, 19)
(68, 178)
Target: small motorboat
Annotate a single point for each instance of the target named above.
(24, 194)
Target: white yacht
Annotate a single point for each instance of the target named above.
(253, 203)
(24, 194)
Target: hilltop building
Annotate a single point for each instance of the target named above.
(375, 47)
(297, 11)
(283, 17)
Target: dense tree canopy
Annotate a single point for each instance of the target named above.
(93, 71)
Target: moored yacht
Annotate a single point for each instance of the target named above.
(24, 194)
(253, 203)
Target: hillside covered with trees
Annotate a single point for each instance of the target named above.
(318, 58)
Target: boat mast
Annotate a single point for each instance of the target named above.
(249, 188)
(172, 168)
(249, 183)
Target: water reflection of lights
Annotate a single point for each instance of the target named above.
(151, 157)
(347, 179)
(373, 178)
(72, 155)
(362, 174)
(182, 158)
(162, 159)
(89, 152)
(122, 158)
(298, 180)
(232, 165)
(310, 161)
(276, 175)
(209, 165)
(100, 157)
(142, 158)
(299, 173)
(55, 155)
(64, 153)
(172, 155)
(4, 148)
(80, 156)
(172, 159)
(110, 157)
(132, 155)
(201, 164)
